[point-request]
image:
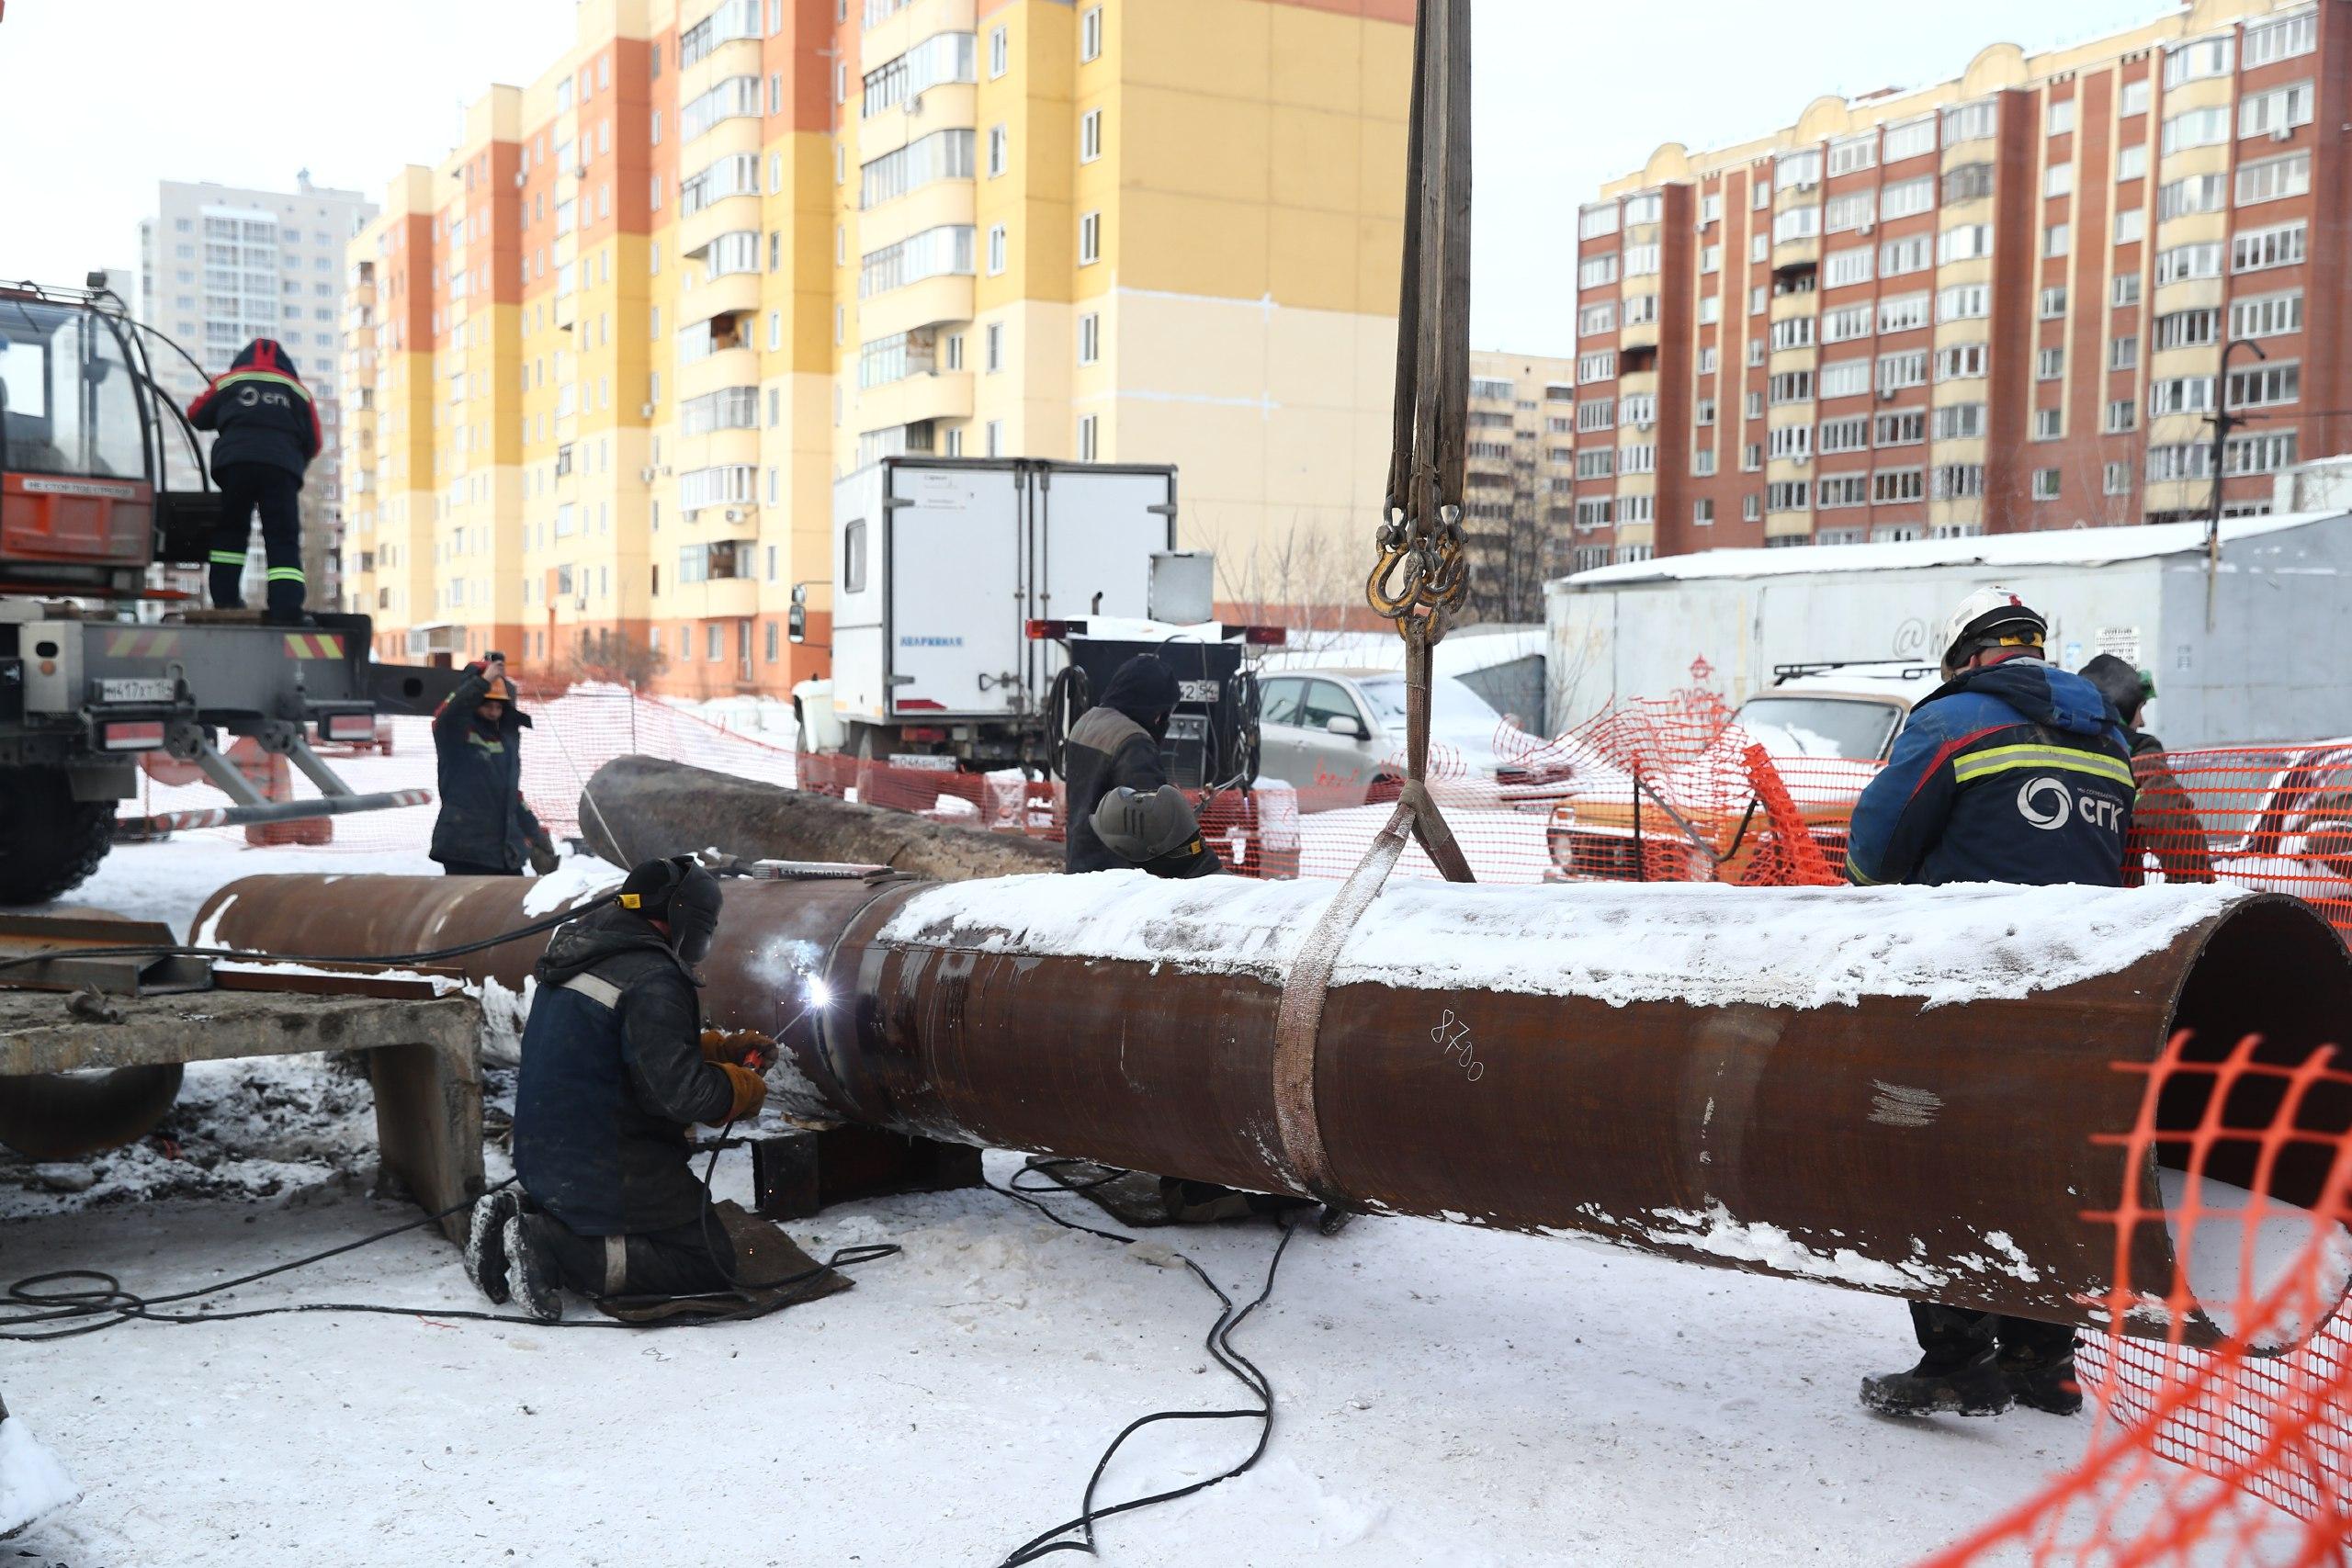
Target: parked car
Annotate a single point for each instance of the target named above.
(1828, 728)
(2298, 839)
(1337, 737)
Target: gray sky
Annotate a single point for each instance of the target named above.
(100, 101)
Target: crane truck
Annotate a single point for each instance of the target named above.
(99, 664)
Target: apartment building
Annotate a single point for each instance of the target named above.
(220, 265)
(614, 351)
(1519, 501)
(2014, 300)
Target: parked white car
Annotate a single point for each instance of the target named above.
(1337, 737)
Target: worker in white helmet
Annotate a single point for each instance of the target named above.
(2012, 771)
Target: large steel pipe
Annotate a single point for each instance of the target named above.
(1896, 1090)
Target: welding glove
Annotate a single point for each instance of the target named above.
(542, 856)
(751, 1090)
(747, 1047)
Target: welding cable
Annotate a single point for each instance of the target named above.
(105, 1304)
(175, 950)
(1219, 1343)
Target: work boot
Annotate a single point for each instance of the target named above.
(486, 1242)
(531, 1268)
(2040, 1382)
(1973, 1387)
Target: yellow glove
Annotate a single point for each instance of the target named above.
(747, 1047)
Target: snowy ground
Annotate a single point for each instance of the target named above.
(1446, 1395)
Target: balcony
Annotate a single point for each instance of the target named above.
(931, 302)
(912, 400)
(736, 294)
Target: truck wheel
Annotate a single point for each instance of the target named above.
(48, 840)
(67, 1115)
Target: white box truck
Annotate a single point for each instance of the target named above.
(943, 567)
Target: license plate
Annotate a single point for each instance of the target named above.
(1202, 692)
(923, 760)
(136, 689)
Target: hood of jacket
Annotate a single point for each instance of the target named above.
(265, 353)
(1145, 690)
(596, 936)
(2043, 693)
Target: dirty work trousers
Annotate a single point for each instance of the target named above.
(247, 487)
(683, 1261)
(1953, 1337)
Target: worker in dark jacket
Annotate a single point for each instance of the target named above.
(2011, 771)
(268, 433)
(485, 827)
(2164, 821)
(1114, 746)
(615, 1067)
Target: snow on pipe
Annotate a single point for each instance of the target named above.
(1892, 1089)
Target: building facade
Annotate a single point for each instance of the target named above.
(220, 265)
(611, 355)
(1519, 505)
(2011, 301)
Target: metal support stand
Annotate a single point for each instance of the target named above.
(800, 1174)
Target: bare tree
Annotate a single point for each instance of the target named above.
(616, 657)
(1301, 577)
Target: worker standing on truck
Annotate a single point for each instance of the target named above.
(268, 433)
(1121, 810)
(485, 828)
(2011, 771)
(616, 1068)
(2164, 820)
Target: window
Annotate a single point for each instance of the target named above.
(1090, 34)
(2049, 424)
(1966, 122)
(1599, 367)
(2274, 177)
(1903, 313)
(734, 97)
(2260, 386)
(1843, 489)
(1089, 338)
(2123, 353)
(1899, 256)
(1755, 405)
(1906, 427)
(1851, 435)
(2057, 239)
(1788, 495)
(1797, 169)
(1594, 221)
(999, 147)
(2263, 452)
(1796, 223)
(1755, 353)
(1751, 457)
(2061, 120)
(1600, 318)
(1898, 485)
(1969, 182)
(942, 57)
(1849, 153)
(1090, 238)
(1710, 258)
(2196, 127)
(1703, 411)
(1910, 137)
(2050, 364)
(1908, 197)
(2131, 163)
(1846, 379)
(1790, 441)
(1845, 322)
(2267, 315)
(2186, 460)
(2180, 394)
(1896, 371)
(1708, 359)
(1637, 459)
(2045, 484)
(2053, 303)
(996, 251)
(1710, 310)
(1090, 136)
(1710, 209)
(1966, 303)
(1702, 513)
(1647, 207)
(935, 253)
(1639, 409)
(1597, 272)
(2282, 40)
(1000, 53)
(1957, 481)
(2275, 112)
(1640, 261)
(993, 436)
(2122, 414)
(2188, 329)
(1960, 422)
(2115, 479)
(2260, 248)
(1598, 413)
(1759, 196)
(2187, 261)
(2200, 192)
(1840, 268)
(1088, 447)
(2058, 179)
(2132, 98)
(2195, 60)
(2126, 290)
(993, 346)
(1791, 387)
(2131, 225)
(1794, 332)
(1594, 513)
(1960, 362)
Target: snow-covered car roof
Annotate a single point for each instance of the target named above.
(1894, 680)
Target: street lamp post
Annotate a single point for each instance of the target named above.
(2224, 421)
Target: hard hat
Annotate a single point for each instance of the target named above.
(501, 690)
(1990, 616)
(679, 892)
(1139, 827)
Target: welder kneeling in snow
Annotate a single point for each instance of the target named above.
(2011, 771)
(615, 1067)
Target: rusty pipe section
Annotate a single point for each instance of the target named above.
(1892, 1089)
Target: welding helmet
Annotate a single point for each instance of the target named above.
(1990, 617)
(680, 892)
(1138, 827)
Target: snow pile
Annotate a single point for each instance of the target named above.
(33, 1480)
(576, 880)
(1705, 943)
